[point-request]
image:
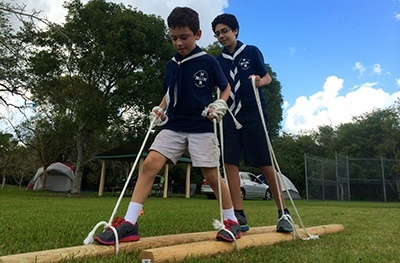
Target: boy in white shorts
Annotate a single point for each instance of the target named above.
(190, 79)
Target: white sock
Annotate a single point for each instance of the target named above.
(229, 214)
(133, 212)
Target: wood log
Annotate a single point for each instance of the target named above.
(178, 253)
(56, 255)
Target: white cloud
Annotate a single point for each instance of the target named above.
(397, 16)
(207, 9)
(328, 108)
(50, 10)
(360, 68)
(9, 114)
(398, 82)
(376, 68)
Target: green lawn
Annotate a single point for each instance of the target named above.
(33, 221)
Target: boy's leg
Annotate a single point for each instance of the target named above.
(230, 220)
(232, 172)
(167, 145)
(127, 228)
(285, 223)
(276, 192)
(203, 149)
(151, 167)
(211, 176)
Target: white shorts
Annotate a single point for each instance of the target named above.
(203, 147)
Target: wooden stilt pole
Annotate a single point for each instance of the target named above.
(56, 255)
(178, 253)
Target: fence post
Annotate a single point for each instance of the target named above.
(337, 178)
(383, 179)
(306, 174)
(348, 176)
(323, 180)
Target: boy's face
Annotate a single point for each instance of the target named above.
(225, 35)
(183, 39)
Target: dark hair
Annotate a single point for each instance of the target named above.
(184, 17)
(226, 19)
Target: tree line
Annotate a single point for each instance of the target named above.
(91, 82)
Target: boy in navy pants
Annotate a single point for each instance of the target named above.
(241, 62)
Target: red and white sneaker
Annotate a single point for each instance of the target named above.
(230, 226)
(127, 232)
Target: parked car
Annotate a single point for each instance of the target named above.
(250, 186)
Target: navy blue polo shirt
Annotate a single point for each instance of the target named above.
(248, 62)
(190, 82)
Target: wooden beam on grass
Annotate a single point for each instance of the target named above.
(178, 253)
(56, 255)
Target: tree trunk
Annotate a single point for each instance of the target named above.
(81, 143)
(3, 183)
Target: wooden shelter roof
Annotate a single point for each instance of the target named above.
(126, 153)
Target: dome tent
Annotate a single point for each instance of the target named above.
(59, 178)
(285, 182)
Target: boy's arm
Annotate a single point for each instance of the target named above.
(163, 103)
(264, 81)
(225, 93)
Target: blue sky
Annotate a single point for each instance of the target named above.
(335, 59)
(306, 42)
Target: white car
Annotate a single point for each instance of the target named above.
(250, 186)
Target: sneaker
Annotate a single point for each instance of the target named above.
(127, 232)
(232, 226)
(285, 224)
(242, 222)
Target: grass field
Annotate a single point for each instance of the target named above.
(34, 221)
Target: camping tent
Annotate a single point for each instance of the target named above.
(59, 178)
(285, 183)
(288, 185)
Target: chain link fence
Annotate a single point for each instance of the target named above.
(355, 179)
